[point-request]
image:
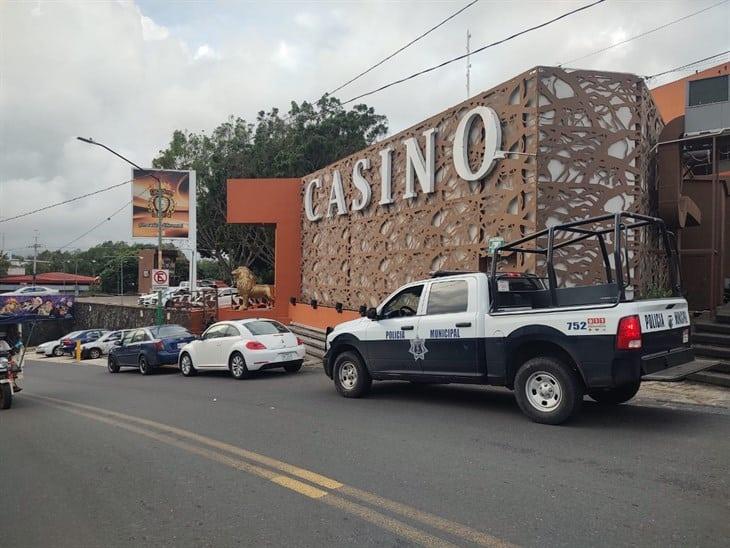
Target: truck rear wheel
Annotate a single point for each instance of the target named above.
(614, 396)
(547, 390)
(351, 377)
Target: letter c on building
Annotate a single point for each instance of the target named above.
(308, 207)
(492, 142)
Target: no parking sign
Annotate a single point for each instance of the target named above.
(160, 279)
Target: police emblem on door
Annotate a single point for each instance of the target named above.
(418, 349)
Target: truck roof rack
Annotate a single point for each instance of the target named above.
(444, 273)
(613, 225)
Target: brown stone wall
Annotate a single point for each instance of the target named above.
(361, 257)
(114, 316)
(586, 138)
(597, 131)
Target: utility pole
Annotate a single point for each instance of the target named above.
(35, 247)
(468, 63)
(121, 280)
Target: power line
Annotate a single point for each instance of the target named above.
(109, 218)
(460, 57)
(396, 52)
(44, 208)
(675, 69)
(641, 35)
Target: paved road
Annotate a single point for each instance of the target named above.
(93, 459)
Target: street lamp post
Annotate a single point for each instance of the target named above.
(158, 206)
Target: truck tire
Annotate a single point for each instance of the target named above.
(351, 377)
(547, 390)
(186, 365)
(614, 396)
(6, 396)
(112, 365)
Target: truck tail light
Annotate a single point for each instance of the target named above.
(255, 345)
(628, 336)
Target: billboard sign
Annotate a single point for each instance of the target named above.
(22, 308)
(175, 198)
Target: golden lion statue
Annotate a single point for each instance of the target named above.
(252, 294)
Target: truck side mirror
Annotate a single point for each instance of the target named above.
(372, 314)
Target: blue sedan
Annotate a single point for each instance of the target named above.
(149, 347)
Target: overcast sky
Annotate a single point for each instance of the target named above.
(129, 73)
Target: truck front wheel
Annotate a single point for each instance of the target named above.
(351, 377)
(614, 396)
(547, 390)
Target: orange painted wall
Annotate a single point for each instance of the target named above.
(321, 317)
(670, 98)
(277, 202)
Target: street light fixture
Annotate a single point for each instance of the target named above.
(158, 206)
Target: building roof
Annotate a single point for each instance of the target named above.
(49, 278)
(670, 97)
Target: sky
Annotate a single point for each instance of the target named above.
(130, 73)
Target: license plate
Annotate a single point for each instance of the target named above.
(284, 356)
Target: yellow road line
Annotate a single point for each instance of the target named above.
(459, 530)
(376, 518)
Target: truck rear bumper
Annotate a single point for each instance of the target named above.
(655, 363)
(679, 372)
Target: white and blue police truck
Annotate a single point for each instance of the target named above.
(552, 345)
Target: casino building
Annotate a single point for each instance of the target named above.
(547, 146)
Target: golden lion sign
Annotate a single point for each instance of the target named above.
(173, 200)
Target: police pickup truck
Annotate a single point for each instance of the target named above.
(550, 344)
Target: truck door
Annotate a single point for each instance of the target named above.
(449, 328)
(392, 344)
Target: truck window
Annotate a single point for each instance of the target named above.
(448, 297)
(404, 303)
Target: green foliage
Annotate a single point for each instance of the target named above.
(102, 260)
(657, 292)
(309, 138)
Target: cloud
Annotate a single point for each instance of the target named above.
(206, 52)
(129, 74)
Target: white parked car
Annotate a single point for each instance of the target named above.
(31, 290)
(101, 346)
(243, 346)
(225, 296)
(54, 348)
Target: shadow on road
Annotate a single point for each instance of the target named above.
(632, 416)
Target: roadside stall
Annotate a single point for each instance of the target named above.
(15, 312)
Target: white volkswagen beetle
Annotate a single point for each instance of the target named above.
(241, 347)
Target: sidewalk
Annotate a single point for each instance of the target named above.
(686, 392)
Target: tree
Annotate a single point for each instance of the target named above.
(4, 264)
(309, 138)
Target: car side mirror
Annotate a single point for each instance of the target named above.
(372, 314)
